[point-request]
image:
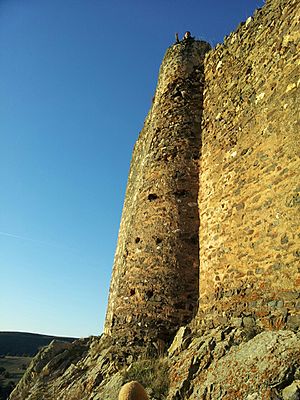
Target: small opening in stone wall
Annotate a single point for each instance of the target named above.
(158, 240)
(132, 292)
(137, 240)
(149, 294)
(179, 174)
(181, 193)
(180, 306)
(152, 196)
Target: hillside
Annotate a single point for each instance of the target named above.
(16, 352)
(11, 371)
(23, 343)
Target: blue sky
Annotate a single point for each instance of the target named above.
(76, 82)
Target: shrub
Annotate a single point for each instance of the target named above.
(6, 374)
(152, 374)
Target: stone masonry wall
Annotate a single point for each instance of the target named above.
(154, 287)
(249, 174)
(222, 161)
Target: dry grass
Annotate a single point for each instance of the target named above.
(153, 374)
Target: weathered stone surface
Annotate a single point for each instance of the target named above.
(249, 181)
(229, 369)
(50, 364)
(217, 364)
(72, 372)
(154, 287)
(292, 392)
(91, 369)
(180, 341)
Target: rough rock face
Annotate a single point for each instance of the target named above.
(217, 364)
(94, 368)
(49, 365)
(221, 365)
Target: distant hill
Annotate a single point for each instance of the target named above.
(22, 343)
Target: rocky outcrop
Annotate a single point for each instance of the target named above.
(229, 363)
(224, 365)
(49, 365)
(94, 368)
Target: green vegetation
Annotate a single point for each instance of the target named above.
(153, 374)
(11, 371)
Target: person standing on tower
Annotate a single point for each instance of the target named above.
(187, 36)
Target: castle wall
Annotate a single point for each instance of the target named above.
(249, 173)
(154, 287)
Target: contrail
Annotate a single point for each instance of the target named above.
(55, 245)
(12, 235)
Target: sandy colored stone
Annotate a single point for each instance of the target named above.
(249, 181)
(292, 392)
(222, 133)
(132, 391)
(256, 369)
(154, 286)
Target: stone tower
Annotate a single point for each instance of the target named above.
(154, 286)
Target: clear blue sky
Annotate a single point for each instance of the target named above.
(76, 82)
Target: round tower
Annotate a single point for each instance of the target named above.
(154, 286)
